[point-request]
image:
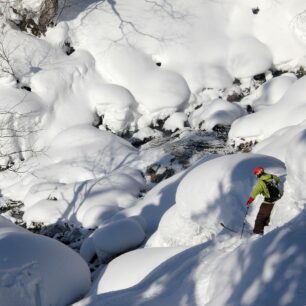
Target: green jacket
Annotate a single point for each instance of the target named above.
(261, 188)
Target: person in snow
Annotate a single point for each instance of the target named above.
(267, 185)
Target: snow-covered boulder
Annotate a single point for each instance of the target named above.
(37, 270)
(270, 92)
(132, 267)
(115, 104)
(156, 90)
(213, 192)
(279, 142)
(175, 121)
(114, 238)
(248, 56)
(216, 112)
(290, 110)
(46, 211)
(86, 175)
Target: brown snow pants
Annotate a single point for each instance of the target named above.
(263, 218)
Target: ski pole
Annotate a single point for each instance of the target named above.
(244, 222)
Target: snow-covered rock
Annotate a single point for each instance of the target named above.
(132, 267)
(213, 192)
(216, 112)
(277, 144)
(288, 111)
(112, 239)
(36, 269)
(270, 92)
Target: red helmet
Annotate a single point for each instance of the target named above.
(258, 170)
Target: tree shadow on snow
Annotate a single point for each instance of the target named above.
(273, 269)
(72, 9)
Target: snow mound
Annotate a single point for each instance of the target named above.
(132, 267)
(270, 92)
(248, 57)
(115, 104)
(214, 192)
(153, 88)
(45, 211)
(37, 269)
(114, 238)
(278, 143)
(215, 112)
(175, 121)
(288, 111)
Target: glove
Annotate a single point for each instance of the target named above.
(250, 200)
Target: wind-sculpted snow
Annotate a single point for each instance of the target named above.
(36, 270)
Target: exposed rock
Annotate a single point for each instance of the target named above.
(300, 72)
(255, 10)
(35, 22)
(68, 49)
(157, 173)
